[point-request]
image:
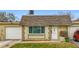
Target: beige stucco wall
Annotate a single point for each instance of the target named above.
(42, 36)
(36, 36)
(26, 30)
(27, 36)
(47, 32)
(2, 33)
(62, 28)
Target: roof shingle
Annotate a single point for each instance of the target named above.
(44, 20)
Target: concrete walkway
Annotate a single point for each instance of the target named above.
(6, 44)
(40, 41)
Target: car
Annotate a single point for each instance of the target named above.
(76, 36)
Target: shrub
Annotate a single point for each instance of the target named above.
(67, 39)
(65, 35)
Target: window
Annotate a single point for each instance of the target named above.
(36, 29)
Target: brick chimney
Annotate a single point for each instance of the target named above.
(31, 12)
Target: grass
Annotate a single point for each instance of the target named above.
(44, 45)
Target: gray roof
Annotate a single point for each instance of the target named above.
(75, 21)
(44, 20)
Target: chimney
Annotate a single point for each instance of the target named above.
(31, 12)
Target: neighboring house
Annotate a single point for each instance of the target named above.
(73, 28)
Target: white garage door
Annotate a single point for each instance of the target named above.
(72, 30)
(13, 33)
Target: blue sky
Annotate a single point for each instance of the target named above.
(19, 13)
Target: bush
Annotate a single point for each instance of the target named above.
(63, 33)
(66, 39)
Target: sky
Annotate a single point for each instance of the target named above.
(20, 13)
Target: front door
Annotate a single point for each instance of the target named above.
(54, 33)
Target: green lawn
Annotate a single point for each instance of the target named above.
(44, 45)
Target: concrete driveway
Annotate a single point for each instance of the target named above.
(5, 44)
(75, 42)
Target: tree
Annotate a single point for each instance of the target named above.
(11, 17)
(7, 16)
(66, 12)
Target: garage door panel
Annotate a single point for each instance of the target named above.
(13, 33)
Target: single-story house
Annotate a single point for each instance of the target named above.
(39, 27)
